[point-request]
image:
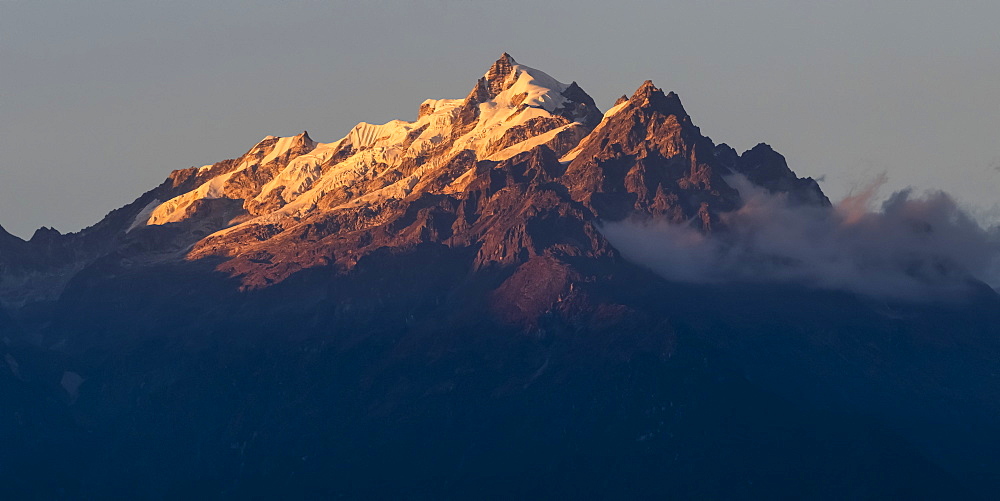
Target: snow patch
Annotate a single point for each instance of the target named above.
(575, 152)
(142, 218)
(529, 144)
(280, 148)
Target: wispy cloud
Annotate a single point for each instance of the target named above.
(912, 247)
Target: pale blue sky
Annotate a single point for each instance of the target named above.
(100, 100)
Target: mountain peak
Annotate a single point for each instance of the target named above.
(501, 68)
(505, 59)
(513, 88)
(496, 79)
(650, 96)
(45, 233)
(767, 168)
(303, 141)
(647, 88)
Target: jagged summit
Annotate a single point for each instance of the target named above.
(646, 89)
(510, 84)
(44, 233)
(653, 98)
(499, 73)
(765, 167)
(647, 158)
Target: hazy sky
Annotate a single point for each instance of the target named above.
(100, 100)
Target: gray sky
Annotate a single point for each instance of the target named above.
(100, 100)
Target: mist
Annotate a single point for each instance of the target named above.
(913, 247)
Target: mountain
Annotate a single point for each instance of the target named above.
(432, 308)
(290, 203)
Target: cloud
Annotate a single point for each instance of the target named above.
(913, 247)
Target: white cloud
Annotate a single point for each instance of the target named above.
(914, 247)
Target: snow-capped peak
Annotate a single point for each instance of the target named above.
(512, 108)
(508, 82)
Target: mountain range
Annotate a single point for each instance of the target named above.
(464, 305)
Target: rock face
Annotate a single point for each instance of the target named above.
(765, 167)
(433, 302)
(647, 157)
